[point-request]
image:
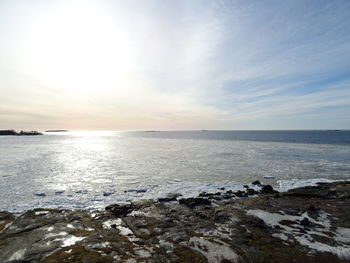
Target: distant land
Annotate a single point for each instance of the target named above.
(56, 131)
(21, 133)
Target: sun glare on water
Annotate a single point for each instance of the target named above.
(80, 47)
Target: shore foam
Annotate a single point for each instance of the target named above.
(72, 199)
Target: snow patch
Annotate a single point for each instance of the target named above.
(280, 236)
(71, 241)
(142, 253)
(41, 213)
(321, 225)
(18, 255)
(214, 252)
(117, 222)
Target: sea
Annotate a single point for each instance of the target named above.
(92, 169)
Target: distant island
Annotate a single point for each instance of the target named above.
(21, 133)
(57, 131)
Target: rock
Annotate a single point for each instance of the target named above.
(5, 215)
(107, 193)
(169, 198)
(215, 197)
(81, 192)
(305, 222)
(252, 191)
(227, 196)
(259, 229)
(312, 208)
(138, 190)
(241, 194)
(256, 183)
(267, 189)
(40, 194)
(120, 209)
(327, 191)
(193, 202)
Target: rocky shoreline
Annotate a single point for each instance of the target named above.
(307, 224)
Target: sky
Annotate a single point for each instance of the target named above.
(174, 65)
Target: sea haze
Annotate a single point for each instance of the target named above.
(93, 169)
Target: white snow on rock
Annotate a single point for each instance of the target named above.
(215, 252)
(18, 255)
(41, 213)
(125, 231)
(321, 226)
(71, 241)
(142, 253)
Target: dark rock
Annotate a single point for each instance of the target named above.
(287, 222)
(305, 222)
(312, 208)
(40, 194)
(245, 186)
(6, 215)
(141, 190)
(332, 194)
(241, 194)
(256, 222)
(267, 189)
(120, 209)
(169, 198)
(202, 215)
(222, 188)
(215, 197)
(209, 195)
(227, 196)
(256, 183)
(252, 191)
(193, 202)
(107, 193)
(324, 191)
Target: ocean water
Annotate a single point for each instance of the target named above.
(93, 169)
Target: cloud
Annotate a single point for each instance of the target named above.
(177, 64)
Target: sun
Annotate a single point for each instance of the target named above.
(79, 46)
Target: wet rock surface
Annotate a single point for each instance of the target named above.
(312, 224)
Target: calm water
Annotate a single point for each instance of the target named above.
(75, 169)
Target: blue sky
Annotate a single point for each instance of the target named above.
(175, 64)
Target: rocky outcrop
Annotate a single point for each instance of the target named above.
(21, 133)
(310, 224)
